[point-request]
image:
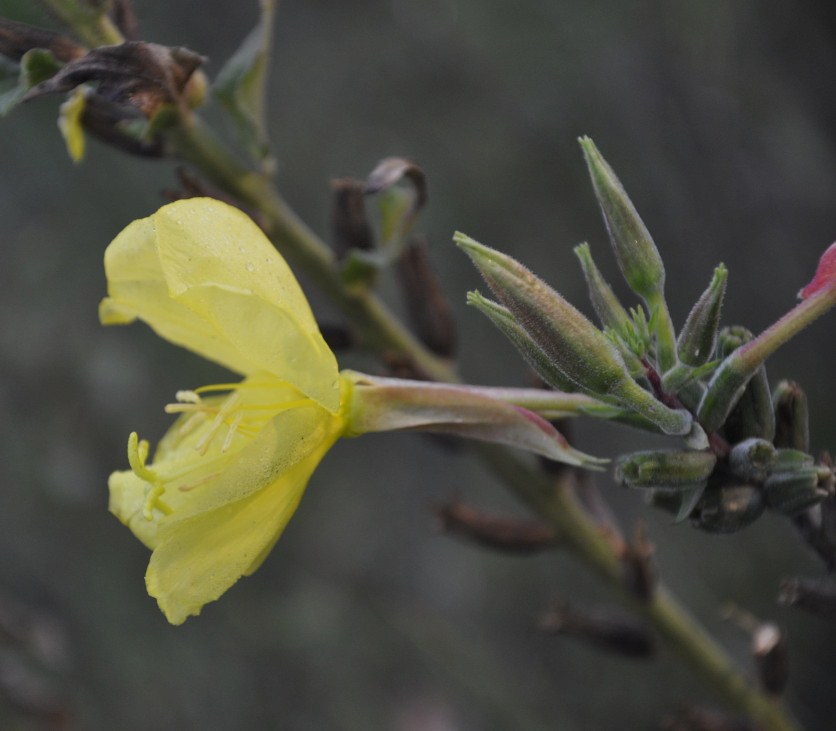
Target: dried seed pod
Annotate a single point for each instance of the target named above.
(769, 647)
(349, 225)
(728, 509)
(607, 629)
(751, 459)
(513, 535)
(428, 307)
(666, 469)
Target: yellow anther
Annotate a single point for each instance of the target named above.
(187, 397)
(203, 443)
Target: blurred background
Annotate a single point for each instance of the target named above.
(719, 118)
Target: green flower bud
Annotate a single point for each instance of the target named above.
(792, 492)
(728, 509)
(634, 248)
(792, 428)
(752, 459)
(571, 342)
(521, 340)
(610, 311)
(665, 469)
(698, 337)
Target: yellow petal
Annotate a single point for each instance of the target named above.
(198, 559)
(204, 276)
(69, 122)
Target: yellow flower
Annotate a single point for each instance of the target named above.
(228, 475)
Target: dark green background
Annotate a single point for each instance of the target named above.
(719, 118)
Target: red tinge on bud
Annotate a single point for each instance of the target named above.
(825, 277)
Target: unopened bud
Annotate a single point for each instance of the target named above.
(668, 469)
(576, 347)
(610, 311)
(769, 647)
(349, 225)
(752, 459)
(792, 428)
(792, 492)
(634, 248)
(698, 336)
(505, 322)
(728, 509)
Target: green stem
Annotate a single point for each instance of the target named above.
(90, 25)
(193, 141)
(684, 635)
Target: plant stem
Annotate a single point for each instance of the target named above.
(555, 502)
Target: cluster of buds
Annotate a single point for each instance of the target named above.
(743, 447)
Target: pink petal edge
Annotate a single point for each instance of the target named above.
(825, 274)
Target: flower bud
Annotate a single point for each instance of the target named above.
(610, 311)
(698, 337)
(528, 349)
(572, 343)
(728, 509)
(792, 427)
(752, 459)
(670, 469)
(735, 396)
(792, 492)
(634, 248)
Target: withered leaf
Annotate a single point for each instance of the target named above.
(143, 75)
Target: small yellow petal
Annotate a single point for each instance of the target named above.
(69, 122)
